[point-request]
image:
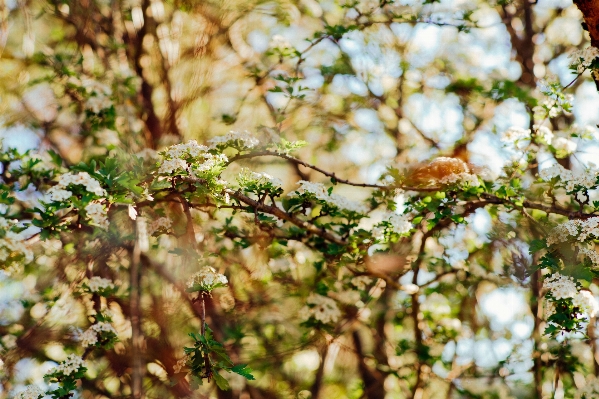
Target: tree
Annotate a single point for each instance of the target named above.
(298, 199)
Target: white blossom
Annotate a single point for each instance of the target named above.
(543, 133)
(97, 214)
(96, 284)
(410, 288)
(586, 303)
(360, 282)
(399, 223)
(576, 228)
(248, 176)
(9, 341)
(98, 103)
(91, 335)
(591, 254)
(563, 146)
(71, 365)
(211, 161)
(279, 42)
(570, 179)
(207, 279)
(99, 94)
(582, 59)
(169, 166)
(82, 178)
(246, 139)
(58, 194)
(323, 309)
(320, 192)
(462, 178)
(15, 243)
(378, 232)
(191, 148)
(561, 286)
(107, 137)
(514, 134)
(31, 392)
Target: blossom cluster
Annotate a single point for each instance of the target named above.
(70, 366)
(542, 134)
(279, 42)
(97, 332)
(576, 228)
(247, 176)
(98, 285)
(463, 178)
(563, 146)
(97, 214)
(206, 280)
(183, 150)
(169, 166)
(394, 222)
(191, 158)
(561, 286)
(564, 287)
(60, 193)
(360, 282)
(586, 303)
(239, 140)
(82, 178)
(591, 254)
(514, 134)
(321, 308)
(99, 95)
(319, 191)
(582, 59)
(13, 243)
(568, 179)
(31, 392)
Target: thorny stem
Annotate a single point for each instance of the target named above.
(556, 381)
(207, 364)
(203, 314)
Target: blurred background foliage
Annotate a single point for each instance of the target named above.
(367, 85)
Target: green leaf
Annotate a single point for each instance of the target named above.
(56, 158)
(243, 370)
(579, 272)
(536, 246)
(221, 382)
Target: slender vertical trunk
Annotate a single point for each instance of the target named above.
(135, 308)
(315, 390)
(536, 333)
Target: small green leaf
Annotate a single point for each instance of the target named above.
(536, 246)
(243, 370)
(221, 382)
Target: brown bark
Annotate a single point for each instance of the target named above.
(373, 379)
(590, 14)
(522, 42)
